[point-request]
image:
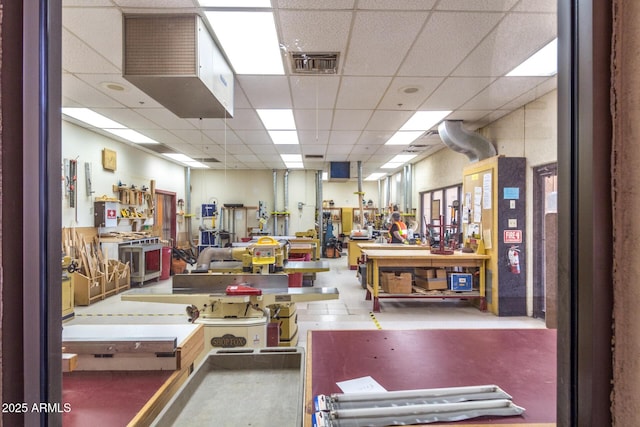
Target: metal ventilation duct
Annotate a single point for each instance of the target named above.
(472, 144)
(174, 59)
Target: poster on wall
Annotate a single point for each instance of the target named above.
(477, 204)
(486, 191)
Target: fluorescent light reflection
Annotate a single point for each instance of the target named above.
(375, 176)
(188, 161)
(543, 63)
(278, 119)
(132, 135)
(284, 137)
(92, 118)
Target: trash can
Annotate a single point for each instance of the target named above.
(165, 272)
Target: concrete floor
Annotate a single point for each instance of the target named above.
(350, 311)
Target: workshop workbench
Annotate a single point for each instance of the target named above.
(126, 389)
(383, 258)
(520, 361)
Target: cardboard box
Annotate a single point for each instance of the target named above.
(461, 282)
(424, 273)
(441, 273)
(432, 284)
(396, 283)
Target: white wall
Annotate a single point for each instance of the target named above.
(251, 186)
(133, 167)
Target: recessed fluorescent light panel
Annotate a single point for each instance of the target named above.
(543, 63)
(132, 135)
(325, 176)
(404, 137)
(92, 118)
(179, 157)
(418, 124)
(424, 120)
(277, 119)
(398, 161)
(249, 40)
(375, 176)
(284, 137)
(292, 161)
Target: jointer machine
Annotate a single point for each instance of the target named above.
(241, 294)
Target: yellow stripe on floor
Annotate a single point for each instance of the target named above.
(375, 321)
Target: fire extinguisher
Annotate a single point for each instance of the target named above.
(513, 256)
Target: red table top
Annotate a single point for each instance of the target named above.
(522, 362)
(108, 398)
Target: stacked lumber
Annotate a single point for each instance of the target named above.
(125, 235)
(87, 255)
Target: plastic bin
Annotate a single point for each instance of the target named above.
(295, 280)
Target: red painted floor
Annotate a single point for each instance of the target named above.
(522, 362)
(108, 398)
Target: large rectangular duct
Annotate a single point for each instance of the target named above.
(175, 60)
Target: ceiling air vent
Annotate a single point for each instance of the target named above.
(313, 156)
(314, 63)
(209, 160)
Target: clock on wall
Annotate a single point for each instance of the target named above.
(109, 160)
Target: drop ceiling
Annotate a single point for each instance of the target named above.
(395, 57)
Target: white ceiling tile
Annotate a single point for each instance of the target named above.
(444, 42)
(400, 94)
(351, 119)
(211, 124)
(479, 5)
(502, 91)
(128, 118)
(239, 98)
(396, 4)
(164, 136)
(264, 150)
(374, 138)
(193, 137)
(376, 53)
(343, 137)
(315, 4)
(247, 158)
(361, 92)
(388, 120)
(254, 137)
(314, 91)
(156, 4)
(454, 92)
(266, 91)
(77, 57)
(85, 95)
(223, 137)
(516, 38)
(313, 119)
(165, 118)
(99, 28)
(549, 6)
(245, 119)
(130, 96)
(312, 138)
(314, 31)
(86, 3)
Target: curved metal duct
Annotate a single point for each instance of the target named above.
(473, 145)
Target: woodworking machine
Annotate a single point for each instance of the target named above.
(234, 308)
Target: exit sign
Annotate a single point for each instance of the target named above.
(512, 236)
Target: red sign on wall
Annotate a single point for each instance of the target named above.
(111, 214)
(512, 236)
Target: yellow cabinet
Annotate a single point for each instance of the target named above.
(67, 298)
